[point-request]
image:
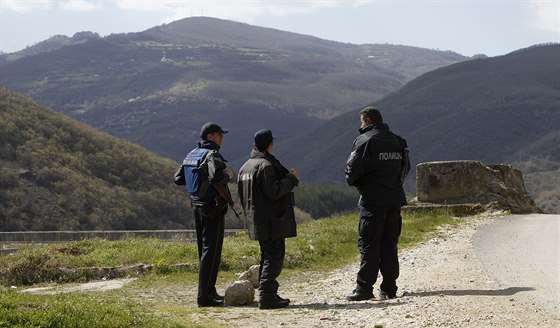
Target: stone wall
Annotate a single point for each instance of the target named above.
(472, 182)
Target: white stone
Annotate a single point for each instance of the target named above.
(251, 275)
(240, 292)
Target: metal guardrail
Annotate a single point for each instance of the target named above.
(10, 241)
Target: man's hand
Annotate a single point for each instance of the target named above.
(229, 172)
(294, 173)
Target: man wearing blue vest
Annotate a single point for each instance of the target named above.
(377, 166)
(203, 172)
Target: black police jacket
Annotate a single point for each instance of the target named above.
(265, 189)
(374, 166)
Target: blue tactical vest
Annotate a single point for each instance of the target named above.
(196, 178)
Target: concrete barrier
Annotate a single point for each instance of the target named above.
(10, 241)
(498, 186)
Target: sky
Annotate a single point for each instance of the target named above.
(490, 27)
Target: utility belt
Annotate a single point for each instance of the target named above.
(215, 202)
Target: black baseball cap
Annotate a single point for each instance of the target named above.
(211, 127)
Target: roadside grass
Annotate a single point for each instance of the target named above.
(422, 225)
(30, 265)
(74, 310)
(165, 296)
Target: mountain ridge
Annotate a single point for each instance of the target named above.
(161, 83)
(496, 110)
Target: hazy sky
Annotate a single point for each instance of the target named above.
(491, 27)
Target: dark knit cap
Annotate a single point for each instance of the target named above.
(263, 139)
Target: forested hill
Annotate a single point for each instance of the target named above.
(59, 174)
(157, 87)
(497, 110)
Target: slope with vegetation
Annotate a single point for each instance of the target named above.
(58, 174)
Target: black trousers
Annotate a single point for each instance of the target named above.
(379, 231)
(272, 261)
(209, 223)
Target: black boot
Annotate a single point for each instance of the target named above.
(217, 296)
(387, 296)
(283, 299)
(272, 301)
(359, 296)
(209, 302)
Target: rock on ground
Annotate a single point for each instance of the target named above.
(251, 275)
(240, 292)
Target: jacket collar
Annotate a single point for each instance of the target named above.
(381, 126)
(208, 145)
(255, 153)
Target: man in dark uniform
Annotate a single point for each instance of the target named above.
(377, 166)
(265, 189)
(204, 171)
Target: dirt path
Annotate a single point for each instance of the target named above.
(442, 284)
(97, 286)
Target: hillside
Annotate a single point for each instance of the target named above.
(59, 174)
(157, 87)
(53, 43)
(497, 110)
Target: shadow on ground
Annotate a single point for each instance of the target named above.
(476, 292)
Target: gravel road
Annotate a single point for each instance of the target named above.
(442, 284)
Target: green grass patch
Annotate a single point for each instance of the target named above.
(330, 243)
(74, 310)
(419, 226)
(38, 264)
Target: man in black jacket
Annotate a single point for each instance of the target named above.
(204, 171)
(376, 167)
(265, 189)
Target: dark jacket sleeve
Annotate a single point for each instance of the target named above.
(356, 163)
(216, 166)
(180, 177)
(274, 186)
